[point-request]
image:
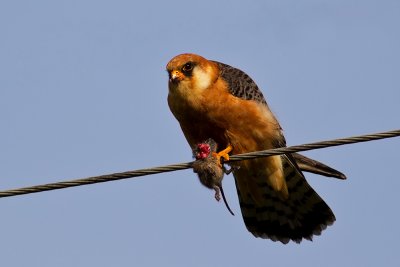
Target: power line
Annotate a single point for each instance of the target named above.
(187, 165)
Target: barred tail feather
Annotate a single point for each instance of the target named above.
(301, 216)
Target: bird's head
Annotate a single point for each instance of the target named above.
(190, 72)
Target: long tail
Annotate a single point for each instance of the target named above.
(302, 215)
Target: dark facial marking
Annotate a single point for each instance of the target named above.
(188, 68)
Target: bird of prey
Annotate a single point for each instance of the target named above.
(214, 100)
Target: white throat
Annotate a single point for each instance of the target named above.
(202, 79)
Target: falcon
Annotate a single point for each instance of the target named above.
(214, 100)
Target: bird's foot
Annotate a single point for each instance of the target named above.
(222, 154)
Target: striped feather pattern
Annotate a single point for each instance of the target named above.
(302, 215)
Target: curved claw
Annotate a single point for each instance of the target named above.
(222, 154)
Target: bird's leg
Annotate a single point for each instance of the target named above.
(222, 154)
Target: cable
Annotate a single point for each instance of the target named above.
(182, 166)
(316, 145)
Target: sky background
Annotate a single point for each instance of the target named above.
(83, 91)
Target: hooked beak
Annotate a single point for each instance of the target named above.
(175, 76)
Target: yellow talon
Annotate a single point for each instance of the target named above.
(222, 154)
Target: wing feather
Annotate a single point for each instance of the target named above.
(240, 84)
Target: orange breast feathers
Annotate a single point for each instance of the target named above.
(202, 102)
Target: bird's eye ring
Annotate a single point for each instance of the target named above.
(188, 67)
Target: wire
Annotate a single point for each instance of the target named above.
(182, 166)
(316, 145)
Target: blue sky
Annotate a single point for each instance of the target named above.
(83, 92)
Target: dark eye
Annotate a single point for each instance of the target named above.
(188, 67)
